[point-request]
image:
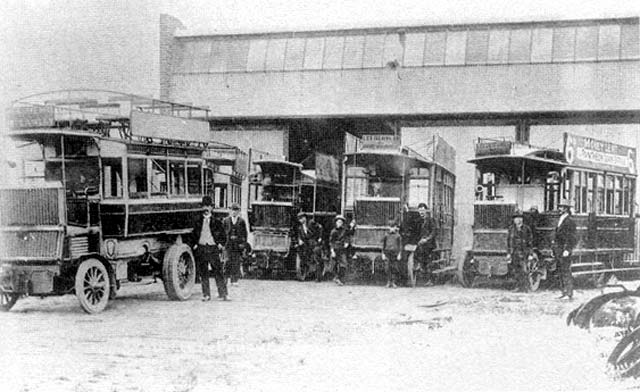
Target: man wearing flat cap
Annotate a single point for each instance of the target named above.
(519, 248)
(563, 244)
(208, 238)
(236, 231)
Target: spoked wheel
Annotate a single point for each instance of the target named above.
(534, 275)
(179, 272)
(7, 300)
(466, 271)
(92, 286)
(625, 357)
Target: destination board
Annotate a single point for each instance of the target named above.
(599, 154)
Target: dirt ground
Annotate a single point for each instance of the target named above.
(287, 335)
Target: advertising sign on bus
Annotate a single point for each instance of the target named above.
(599, 154)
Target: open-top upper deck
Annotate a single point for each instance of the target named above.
(502, 153)
(108, 114)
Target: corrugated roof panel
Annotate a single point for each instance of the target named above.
(520, 46)
(333, 50)
(353, 51)
(541, 45)
(374, 45)
(414, 49)
(564, 39)
(257, 55)
(275, 55)
(630, 41)
(498, 46)
(295, 54)
(587, 43)
(434, 48)
(313, 53)
(609, 42)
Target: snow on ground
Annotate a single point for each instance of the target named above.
(285, 335)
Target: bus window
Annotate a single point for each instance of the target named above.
(208, 181)
(600, 199)
(618, 195)
(158, 177)
(112, 177)
(418, 191)
(137, 171)
(567, 185)
(609, 195)
(552, 189)
(577, 193)
(632, 187)
(176, 172)
(591, 183)
(357, 185)
(626, 197)
(220, 196)
(194, 178)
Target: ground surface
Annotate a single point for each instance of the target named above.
(292, 336)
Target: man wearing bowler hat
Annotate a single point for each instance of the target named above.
(236, 230)
(208, 238)
(563, 244)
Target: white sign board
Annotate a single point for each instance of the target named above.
(159, 126)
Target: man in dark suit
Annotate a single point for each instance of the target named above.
(236, 231)
(207, 239)
(309, 246)
(519, 248)
(339, 241)
(563, 244)
(426, 240)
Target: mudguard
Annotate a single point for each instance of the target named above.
(583, 315)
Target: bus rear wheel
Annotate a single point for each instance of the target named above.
(179, 272)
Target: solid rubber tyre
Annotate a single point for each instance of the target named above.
(179, 272)
(92, 286)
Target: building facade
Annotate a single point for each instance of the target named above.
(527, 81)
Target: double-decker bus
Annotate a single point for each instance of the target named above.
(598, 177)
(387, 181)
(279, 190)
(106, 196)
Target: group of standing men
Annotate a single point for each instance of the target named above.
(520, 249)
(310, 234)
(417, 237)
(210, 237)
